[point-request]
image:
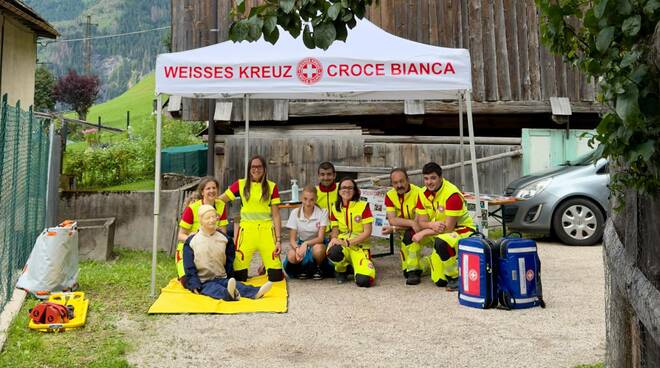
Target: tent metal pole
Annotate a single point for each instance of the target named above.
(473, 158)
(460, 135)
(154, 249)
(246, 115)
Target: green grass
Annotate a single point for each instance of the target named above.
(147, 184)
(137, 99)
(117, 290)
(595, 365)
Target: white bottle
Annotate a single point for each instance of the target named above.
(294, 191)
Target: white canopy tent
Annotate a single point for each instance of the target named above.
(371, 65)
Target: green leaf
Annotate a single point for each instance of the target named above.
(342, 33)
(599, 9)
(239, 31)
(632, 25)
(295, 27)
(347, 17)
(254, 31)
(627, 105)
(308, 38)
(645, 150)
(287, 5)
(604, 39)
(629, 58)
(273, 36)
(333, 11)
(651, 6)
(623, 7)
(270, 24)
(324, 35)
(240, 4)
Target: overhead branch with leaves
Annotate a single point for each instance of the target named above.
(321, 22)
(612, 41)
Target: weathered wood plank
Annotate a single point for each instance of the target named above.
(533, 47)
(511, 25)
(387, 17)
(465, 24)
(343, 108)
(490, 55)
(423, 20)
(434, 23)
(503, 78)
(523, 47)
(476, 50)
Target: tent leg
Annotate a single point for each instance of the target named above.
(460, 135)
(154, 248)
(473, 157)
(246, 115)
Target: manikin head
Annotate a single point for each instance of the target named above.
(207, 219)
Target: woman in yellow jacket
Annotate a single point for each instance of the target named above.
(260, 225)
(207, 190)
(351, 228)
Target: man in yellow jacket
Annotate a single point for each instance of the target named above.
(401, 203)
(443, 216)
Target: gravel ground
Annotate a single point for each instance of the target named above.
(395, 325)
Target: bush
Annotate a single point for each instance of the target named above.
(128, 159)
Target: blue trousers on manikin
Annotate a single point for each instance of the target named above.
(217, 289)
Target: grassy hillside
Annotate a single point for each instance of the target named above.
(138, 100)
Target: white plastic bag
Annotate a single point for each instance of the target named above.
(53, 263)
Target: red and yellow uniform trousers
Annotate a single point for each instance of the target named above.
(446, 201)
(404, 206)
(190, 221)
(350, 221)
(256, 231)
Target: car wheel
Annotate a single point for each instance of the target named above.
(578, 221)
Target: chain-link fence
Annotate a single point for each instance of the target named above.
(23, 173)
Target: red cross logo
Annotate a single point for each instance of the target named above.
(530, 275)
(473, 275)
(309, 70)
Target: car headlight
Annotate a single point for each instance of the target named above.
(530, 190)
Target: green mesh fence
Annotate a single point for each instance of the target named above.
(23, 173)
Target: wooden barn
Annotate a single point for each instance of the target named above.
(514, 78)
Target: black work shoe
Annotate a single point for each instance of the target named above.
(413, 278)
(340, 277)
(317, 274)
(452, 284)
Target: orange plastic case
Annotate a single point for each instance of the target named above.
(80, 306)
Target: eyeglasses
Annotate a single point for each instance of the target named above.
(346, 188)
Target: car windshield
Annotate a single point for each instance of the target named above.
(586, 159)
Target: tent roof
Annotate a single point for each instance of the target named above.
(371, 65)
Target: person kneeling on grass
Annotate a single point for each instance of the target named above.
(306, 256)
(207, 259)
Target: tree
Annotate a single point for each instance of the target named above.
(44, 82)
(77, 91)
(325, 21)
(612, 41)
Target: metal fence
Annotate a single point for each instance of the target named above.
(23, 172)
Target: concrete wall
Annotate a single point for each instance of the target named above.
(18, 62)
(133, 212)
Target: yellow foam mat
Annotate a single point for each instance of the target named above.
(80, 305)
(174, 298)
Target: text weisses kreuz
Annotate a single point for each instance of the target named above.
(289, 71)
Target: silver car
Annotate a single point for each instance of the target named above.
(570, 201)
